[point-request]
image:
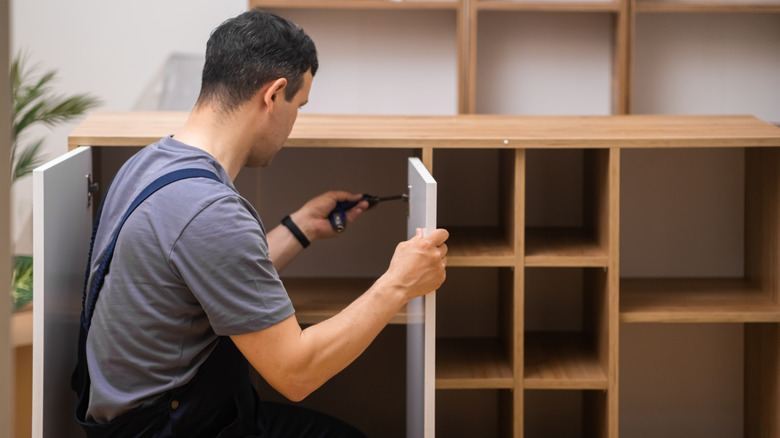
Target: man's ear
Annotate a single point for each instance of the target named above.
(274, 91)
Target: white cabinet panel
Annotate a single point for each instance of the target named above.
(421, 330)
(62, 226)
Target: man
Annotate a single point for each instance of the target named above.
(193, 293)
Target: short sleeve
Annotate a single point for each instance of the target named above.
(222, 256)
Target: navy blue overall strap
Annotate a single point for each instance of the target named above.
(90, 299)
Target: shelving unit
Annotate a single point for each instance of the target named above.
(528, 321)
(616, 57)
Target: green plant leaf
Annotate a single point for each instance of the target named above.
(22, 281)
(28, 160)
(33, 102)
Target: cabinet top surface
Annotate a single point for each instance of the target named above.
(461, 131)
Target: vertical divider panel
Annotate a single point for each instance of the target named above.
(620, 60)
(469, 69)
(762, 385)
(762, 215)
(613, 285)
(762, 268)
(427, 159)
(519, 292)
(630, 36)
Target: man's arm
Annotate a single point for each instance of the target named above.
(296, 362)
(312, 220)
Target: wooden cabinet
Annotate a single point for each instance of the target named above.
(528, 322)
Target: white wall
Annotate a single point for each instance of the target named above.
(113, 50)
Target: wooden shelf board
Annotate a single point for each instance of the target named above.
(561, 360)
(694, 300)
(132, 128)
(22, 327)
(356, 4)
(477, 363)
(754, 7)
(549, 6)
(562, 247)
(478, 246)
(317, 299)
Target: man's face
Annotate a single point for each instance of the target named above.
(282, 120)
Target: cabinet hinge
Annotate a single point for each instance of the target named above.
(92, 187)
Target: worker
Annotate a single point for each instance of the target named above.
(186, 295)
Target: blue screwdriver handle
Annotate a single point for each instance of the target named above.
(338, 216)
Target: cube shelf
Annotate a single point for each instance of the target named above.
(557, 238)
(479, 211)
(567, 211)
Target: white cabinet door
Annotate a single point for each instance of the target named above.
(62, 227)
(421, 328)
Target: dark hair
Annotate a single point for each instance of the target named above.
(248, 51)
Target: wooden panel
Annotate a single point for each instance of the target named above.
(762, 219)
(23, 391)
(471, 364)
(22, 327)
(548, 6)
(355, 4)
(612, 323)
(317, 299)
(695, 300)
(518, 395)
(461, 131)
(467, 57)
(621, 47)
(560, 360)
(562, 247)
(708, 7)
(762, 384)
(479, 246)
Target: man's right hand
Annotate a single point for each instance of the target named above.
(418, 264)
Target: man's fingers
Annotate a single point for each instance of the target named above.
(439, 236)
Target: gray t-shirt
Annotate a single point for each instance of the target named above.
(191, 264)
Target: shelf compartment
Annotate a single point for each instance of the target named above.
(475, 413)
(570, 204)
(550, 6)
(695, 300)
(569, 413)
(569, 331)
(480, 212)
(356, 4)
(562, 360)
(479, 246)
(749, 7)
(476, 363)
(563, 246)
(317, 299)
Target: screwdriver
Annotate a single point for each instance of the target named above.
(338, 218)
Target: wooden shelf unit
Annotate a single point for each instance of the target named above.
(513, 359)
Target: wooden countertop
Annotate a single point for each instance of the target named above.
(461, 131)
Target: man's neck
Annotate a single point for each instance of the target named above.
(218, 135)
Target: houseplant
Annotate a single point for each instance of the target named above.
(34, 103)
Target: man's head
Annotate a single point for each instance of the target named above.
(248, 51)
